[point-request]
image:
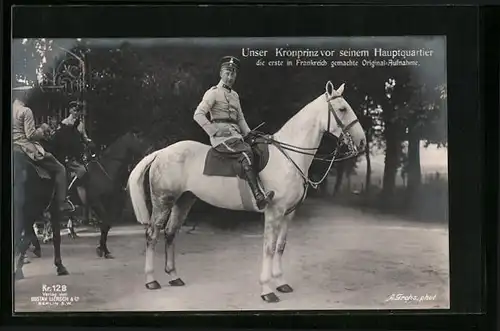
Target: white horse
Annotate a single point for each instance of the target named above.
(176, 180)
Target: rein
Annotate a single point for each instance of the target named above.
(303, 150)
(97, 159)
(103, 170)
(281, 146)
(93, 158)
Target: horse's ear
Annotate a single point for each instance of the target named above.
(340, 90)
(329, 89)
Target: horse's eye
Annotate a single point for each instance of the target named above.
(343, 109)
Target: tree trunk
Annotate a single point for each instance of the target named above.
(323, 187)
(340, 177)
(391, 161)
(368, 168)
(414, 170)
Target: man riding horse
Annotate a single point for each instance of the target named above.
(227, 126)
(26, 138)
(67, 143)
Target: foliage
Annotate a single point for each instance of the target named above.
(158, 88)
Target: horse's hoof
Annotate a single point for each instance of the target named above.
(108, 255)
(62, 271)
(270, 298)
(37, 253)
(26, 260)
(154, 285)
(285, 288)
(176, 282)
(99, 251)
(19, 274)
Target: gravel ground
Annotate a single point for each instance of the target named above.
(336, 258)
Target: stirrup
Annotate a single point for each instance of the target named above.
(265, 199)
(69, 204)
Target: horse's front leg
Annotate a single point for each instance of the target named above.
(282, 285)
(271, 228)
(55, 221)
(102, 250)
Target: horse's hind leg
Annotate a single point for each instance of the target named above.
(47, 231)
(162, 206)
(22, 247)
(71, 228)
(179, 214)
(34, 240)
(277, 272)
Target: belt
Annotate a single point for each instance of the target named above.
(224, 120)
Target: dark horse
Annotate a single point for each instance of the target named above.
(33, 193)
(105, 179)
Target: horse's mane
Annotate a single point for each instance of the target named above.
(297, 114)
(107, 150)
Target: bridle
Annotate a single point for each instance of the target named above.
(345, 137)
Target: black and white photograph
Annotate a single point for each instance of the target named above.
(230, 174)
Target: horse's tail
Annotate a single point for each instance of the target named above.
(136, 188)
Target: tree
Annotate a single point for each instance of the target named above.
(394, 92)
(423, 114)
(345, 168)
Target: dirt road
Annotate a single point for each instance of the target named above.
(336, 258)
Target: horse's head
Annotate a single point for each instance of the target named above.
(342, 122)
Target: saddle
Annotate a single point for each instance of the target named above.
(227, 165)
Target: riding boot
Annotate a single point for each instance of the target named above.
(82, 194)
(262, 199)
(61, 192)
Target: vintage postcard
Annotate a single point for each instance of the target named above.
(196, 174)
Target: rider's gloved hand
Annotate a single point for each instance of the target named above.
(45, 129)
(250, 134)
(250, 137)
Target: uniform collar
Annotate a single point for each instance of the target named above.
(221, 84)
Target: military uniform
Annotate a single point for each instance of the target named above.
(24, 132)
(70, 145)
(26, 137)
(227, 127)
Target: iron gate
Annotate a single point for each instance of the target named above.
(66, 82)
